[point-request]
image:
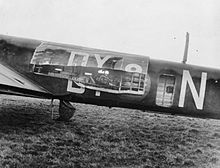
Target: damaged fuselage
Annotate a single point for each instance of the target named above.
(78, 74)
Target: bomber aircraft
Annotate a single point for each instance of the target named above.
(72, 73)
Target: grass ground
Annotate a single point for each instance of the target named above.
(103, 137)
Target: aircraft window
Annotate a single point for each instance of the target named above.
(120, 81)
(92, 62)
(50, 56)
(126, 82)
(104, 78)
(133, 81)
(169, 89)
(78, 59)
(113, 63)
(165, 90)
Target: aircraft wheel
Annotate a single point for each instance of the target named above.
(66, 111)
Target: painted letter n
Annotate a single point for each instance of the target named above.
(198, 98)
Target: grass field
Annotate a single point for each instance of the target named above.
(103, 137)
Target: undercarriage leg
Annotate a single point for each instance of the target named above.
(66, 110)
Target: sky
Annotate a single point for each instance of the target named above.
(154, 28)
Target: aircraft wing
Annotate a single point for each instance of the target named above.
(11, 82)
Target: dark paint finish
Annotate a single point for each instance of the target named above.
(211, 107)
(18, 53)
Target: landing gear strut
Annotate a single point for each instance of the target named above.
(66, 111)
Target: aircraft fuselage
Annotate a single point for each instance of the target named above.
(112, 79)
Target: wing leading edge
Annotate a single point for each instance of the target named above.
(11, 82)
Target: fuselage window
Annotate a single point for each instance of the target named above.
(165, 90)
(92, 62)
(78, 60)
(114, 63)
(50, 55)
